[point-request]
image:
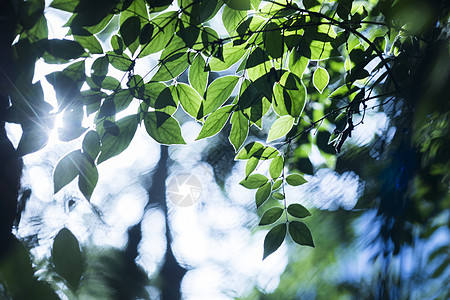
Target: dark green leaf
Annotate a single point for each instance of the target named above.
(64, 49)
(91, 144)
(298, 211)
(295, 179)
(271, 215)
(130, 30)
(88, 177)
(300, 233)
(163, 128)
(146, 34)
(99, 70)
(238, 4)
(263, 193)
(67, 169)
(273, 40)
(254, 181)
(274, 239)
(67, 258)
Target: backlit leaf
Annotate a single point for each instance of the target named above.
(276, 167)
(215, 122)
(321, 79)
(280, 128)
(254, 181)
(218, 92)
(163, 128)
(239, 129)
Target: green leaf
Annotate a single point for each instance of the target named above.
(218, 92)
(297, 63)
(165, 101)
(190, 100)
(117, 44)
(120, 62)
(263, 193)
(273, 40)
(278, 196)
(300, 233)
(215, 122)
(289, 96)
(163, 128)
(232, 18)
(295, 179)
(239, 129)
(99, 70)
(258, 150)
(254, 181)
(146, 34)
(113, 145)
(238, 4)
(231, 53)
(64, 49)
(198, 74)
(88, 177)
(251, 165)
(276, 167)
(172, 66)
(166, 24)
(130, 30)
(321, 79)
(67, 258)
(66, 5)
(280, 128)
(89, 42)
(277, 184)
(298, 211)
(249, 150)
(271, 215)
(91, 144)
(66, 169)
(274, 239)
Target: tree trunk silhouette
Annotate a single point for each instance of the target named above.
(171, 273)
(10, 162)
